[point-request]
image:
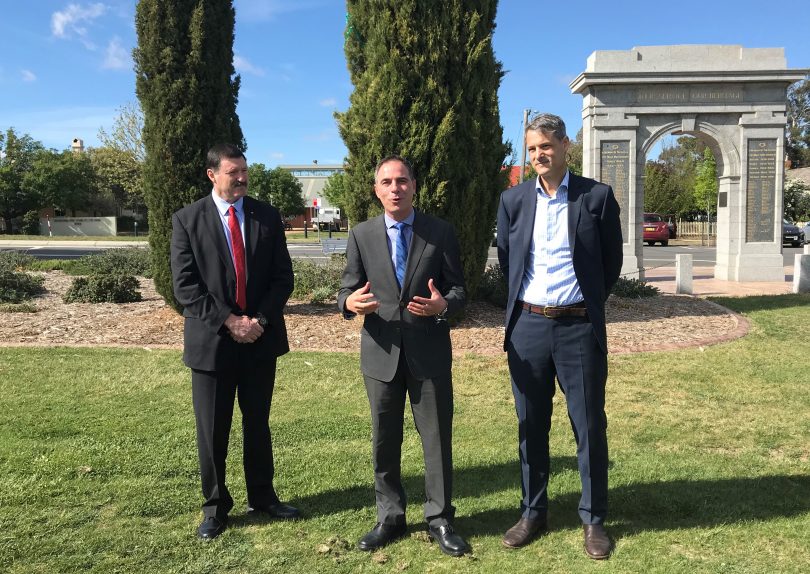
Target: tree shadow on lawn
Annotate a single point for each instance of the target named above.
(763, 302)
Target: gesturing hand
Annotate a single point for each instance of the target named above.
(362, 301)
(425, 307)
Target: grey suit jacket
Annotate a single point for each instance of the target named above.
(594, 232)
(205, 282)
(392, 329)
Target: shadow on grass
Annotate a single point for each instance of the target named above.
(669, 506)
(763, 302)
(635, 508)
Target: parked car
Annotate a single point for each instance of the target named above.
(791, 234)
(656, 229)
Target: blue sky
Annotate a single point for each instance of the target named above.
(66, 66)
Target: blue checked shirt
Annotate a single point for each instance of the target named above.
(549, 277)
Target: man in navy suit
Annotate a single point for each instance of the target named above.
(233, 275)
(560, 248)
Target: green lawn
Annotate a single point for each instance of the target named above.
(710, 464)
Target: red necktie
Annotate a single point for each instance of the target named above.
(238, 248)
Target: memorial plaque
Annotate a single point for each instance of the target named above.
(615, 162)
(761, 190)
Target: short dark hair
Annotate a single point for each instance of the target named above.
(548, 124)
(219, 151)
(395, 157)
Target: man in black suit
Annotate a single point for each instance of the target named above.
(403, 275)
(233, 275)
(560, 248)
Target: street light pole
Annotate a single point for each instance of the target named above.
(523, 143)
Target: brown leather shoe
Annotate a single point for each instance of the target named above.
(524, 532)
(597, 543)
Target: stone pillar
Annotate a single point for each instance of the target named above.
(683, 273)
(801, 273)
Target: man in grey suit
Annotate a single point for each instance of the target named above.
(403, 275)
(560, 248)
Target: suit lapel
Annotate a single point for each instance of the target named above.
(528, 211)
(214, 223)
(421, 233)
(574, 210)
(379, 251)
(251, 232)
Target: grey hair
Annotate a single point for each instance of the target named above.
(548, 124)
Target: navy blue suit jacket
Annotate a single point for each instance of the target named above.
(594, 232)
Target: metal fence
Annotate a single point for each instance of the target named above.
(696, 228)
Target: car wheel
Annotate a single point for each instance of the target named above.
(650, 243)
(797, 244)
(664, 243)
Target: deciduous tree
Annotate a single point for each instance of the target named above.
(17, 154)
(278, 187)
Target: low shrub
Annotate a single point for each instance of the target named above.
(15, 260)
(124, 261)
(30, 223)
(493, 287)
(634, 289)
(318, 283)
(103, 289)
(16, 287)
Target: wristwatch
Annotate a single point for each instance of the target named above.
(262, 320)
(443, 315)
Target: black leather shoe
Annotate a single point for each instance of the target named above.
(277, 510)
(526, 530)
(597, 542)
(449, 542)
(381, 535)
(212, 527)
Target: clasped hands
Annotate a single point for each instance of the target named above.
(243, 329)
(362, 302)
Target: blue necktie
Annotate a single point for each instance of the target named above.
(402, 252)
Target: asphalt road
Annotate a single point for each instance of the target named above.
(653, 256)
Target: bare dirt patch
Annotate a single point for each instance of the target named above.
(634, 325)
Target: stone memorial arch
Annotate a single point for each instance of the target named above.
(734, 100)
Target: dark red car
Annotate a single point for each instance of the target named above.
(656, 229)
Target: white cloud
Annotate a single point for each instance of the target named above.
(116, 57)
(243, 66)
(322, 136)
(276, 155)
(74, 20)
(56, 127)
(28, 76)
(328, 103)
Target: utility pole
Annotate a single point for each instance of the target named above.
(523, 144)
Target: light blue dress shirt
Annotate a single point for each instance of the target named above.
(392, 232)
(549, 278)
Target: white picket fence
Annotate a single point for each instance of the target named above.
(696, 229)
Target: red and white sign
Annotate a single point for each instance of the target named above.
(316, 202)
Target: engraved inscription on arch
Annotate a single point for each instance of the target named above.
(760, 190)
(615, 162)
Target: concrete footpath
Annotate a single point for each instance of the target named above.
(704, 284)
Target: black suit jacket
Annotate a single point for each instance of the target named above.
(205, 282)
(594, 232)
(392, 329)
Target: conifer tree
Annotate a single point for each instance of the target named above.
(426, 86)
(188, 90)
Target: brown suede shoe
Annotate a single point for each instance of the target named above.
(597, 543)
(524, 532)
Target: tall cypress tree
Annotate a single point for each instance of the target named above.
(426, 86)
(186, 83)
